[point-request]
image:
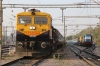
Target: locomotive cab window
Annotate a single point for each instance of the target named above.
(25, 20)
(40, 20)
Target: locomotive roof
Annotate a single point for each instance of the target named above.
(87, 35)
(36, 13)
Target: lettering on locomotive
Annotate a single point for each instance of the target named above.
(32, 33)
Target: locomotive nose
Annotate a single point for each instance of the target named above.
(43, 44)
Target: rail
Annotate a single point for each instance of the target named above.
(81, 57)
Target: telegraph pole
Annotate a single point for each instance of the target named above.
(0, 28)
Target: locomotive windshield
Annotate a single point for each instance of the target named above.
(24, 20)
(40, 20)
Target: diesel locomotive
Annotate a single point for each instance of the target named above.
(35, 35)
(86, 40)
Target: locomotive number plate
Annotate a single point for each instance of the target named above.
(32, 33)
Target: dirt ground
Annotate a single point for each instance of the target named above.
(67, 58)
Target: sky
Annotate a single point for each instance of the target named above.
(56, 13)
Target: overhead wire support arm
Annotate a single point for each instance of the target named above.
(50, 6)
(92, 16)
(75, 25)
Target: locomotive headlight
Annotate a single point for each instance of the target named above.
(43, 44)
(32, 27)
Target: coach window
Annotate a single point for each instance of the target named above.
(25, 20)
(40, 20)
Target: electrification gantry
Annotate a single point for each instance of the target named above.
(79, 5)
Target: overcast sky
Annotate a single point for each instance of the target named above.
(55, 13)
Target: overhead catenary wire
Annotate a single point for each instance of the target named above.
(40, 4)
(11, 9)
(89, 12)
(96, 2)
(79, 13)
(9, 17)
(13, 16)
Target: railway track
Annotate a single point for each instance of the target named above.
(27, 61)
(88, 51)
(90, 58)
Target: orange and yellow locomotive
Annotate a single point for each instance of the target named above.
(35, 34)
